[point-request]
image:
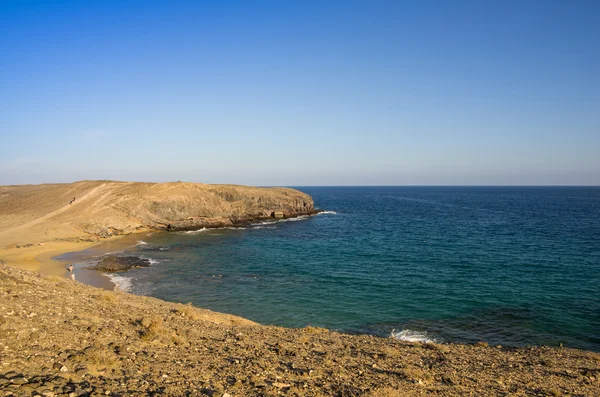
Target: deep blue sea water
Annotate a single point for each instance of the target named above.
(507, 265)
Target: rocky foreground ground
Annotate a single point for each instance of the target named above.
(62, 338)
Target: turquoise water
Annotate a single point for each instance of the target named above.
(510, 266)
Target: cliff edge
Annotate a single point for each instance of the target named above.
(104, 208)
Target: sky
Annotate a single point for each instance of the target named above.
(298, 93)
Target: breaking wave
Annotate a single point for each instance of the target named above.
(409, 335)
(296, 219)
(195, 231)
(327, 213)
(121, 283)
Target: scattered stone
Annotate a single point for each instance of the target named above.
(19, 380)
(132, 352)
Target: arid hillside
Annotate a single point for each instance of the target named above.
(104, 208)
(62, 338)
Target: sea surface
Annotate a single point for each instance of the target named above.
(511, 266)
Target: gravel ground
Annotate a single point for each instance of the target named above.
(62, 338)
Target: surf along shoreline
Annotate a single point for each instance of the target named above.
(119, 245)
(53, 257)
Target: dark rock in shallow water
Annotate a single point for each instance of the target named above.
(114, 263)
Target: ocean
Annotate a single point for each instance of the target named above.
(511, 266)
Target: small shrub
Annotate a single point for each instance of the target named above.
(554, 392)
(151, 328)
(188, 311)
(315, 330)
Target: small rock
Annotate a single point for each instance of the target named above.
(64, 369)
(226, 395)
(11, 374)
(19, 381)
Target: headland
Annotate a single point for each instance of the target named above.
(39, 222)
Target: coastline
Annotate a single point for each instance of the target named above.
(123, 344)
(119, 342)
(52, 257)
(39, 224)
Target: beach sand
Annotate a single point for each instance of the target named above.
(52, 258)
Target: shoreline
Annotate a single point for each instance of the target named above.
(52, 257)
(39, 223)
(119, 243)
(60, 336)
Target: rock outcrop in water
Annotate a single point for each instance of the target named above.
(61, 338)
(115, 263)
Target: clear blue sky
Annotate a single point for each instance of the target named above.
(301, 92)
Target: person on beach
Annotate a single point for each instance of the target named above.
(70, 268)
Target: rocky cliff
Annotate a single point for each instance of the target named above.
(103, 208)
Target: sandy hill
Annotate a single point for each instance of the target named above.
(102, 207)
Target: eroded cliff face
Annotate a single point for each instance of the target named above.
(186, 206)
(104, 208)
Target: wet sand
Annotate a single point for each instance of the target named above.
(53, 257)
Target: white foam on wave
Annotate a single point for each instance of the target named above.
(141, 243)
(264, 223)
(195, 231)
(409, 335)
(210, 229)
(153, 261)
(122, 283)
(327, 213)
(296, 219)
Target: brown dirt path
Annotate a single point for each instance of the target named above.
(78, 202)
